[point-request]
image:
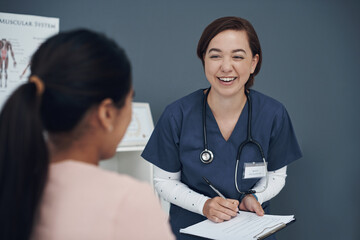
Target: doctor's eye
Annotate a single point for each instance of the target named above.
(215, 56)
(238, 57)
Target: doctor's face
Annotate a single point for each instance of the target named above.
(228, 62)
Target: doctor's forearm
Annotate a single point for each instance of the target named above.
(276, 182)
(170, 188)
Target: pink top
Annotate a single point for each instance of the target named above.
(82, 201)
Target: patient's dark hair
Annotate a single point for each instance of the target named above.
(79, 69)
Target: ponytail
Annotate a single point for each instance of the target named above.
(24, 162)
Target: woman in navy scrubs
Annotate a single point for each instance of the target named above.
(231, 55)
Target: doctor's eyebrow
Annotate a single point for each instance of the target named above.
(233, 51)
(214, 50)
(238, 50)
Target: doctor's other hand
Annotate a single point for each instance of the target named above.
(219, 209)
(249, 203)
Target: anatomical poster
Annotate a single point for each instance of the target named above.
(20, 36)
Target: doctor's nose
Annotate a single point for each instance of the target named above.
(226, 66)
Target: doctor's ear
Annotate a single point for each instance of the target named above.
(106, 114)
(254, 63)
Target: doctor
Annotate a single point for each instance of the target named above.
(219, 121)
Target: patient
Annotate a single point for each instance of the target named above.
(54, 129)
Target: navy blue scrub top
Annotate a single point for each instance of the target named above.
(177, 141)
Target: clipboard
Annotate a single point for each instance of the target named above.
(273, 231)
(245, 226)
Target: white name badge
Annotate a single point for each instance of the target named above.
(254, 170)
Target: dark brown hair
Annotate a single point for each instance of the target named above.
(231, 23)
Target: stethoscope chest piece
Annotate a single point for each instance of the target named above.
(206, 156)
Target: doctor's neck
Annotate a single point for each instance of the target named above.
(226, 104)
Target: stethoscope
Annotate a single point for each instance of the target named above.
(206, 156)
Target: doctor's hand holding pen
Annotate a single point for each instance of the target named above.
(219, 209)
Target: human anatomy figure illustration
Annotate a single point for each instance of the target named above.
(23, 73)
(5, 47)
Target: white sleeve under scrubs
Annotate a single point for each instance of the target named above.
(177, 141)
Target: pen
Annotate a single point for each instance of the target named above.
(213, 188)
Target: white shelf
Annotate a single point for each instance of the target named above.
(129, 148)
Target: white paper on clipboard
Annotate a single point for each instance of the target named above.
(245, 226)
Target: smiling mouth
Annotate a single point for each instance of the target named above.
(227, 79)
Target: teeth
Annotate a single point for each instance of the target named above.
(227, 79)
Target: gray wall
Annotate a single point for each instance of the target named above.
(311, 64)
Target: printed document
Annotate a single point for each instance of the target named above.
(245, 226)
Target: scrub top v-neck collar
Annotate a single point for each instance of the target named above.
(241, 120)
